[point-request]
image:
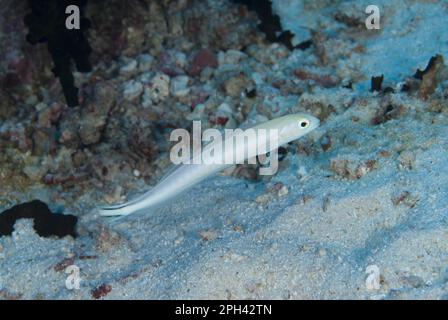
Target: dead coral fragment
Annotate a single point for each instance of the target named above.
(62, 265)
(406, 160)
(326, 81)
(430, 76)
(425, 82)
(349, 21)
(352, 168)
(101, 291)
(234, 86)
(209, 235)
(94, 116)
(433, 62)
(405, 198)
(319, 109)
(64, 179)
(203, 59)
(107, 239)
(388, 112)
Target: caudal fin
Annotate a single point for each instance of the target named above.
(117, 210)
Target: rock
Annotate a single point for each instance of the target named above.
(179, 86)
(145, 62)
(44, 141)
(68, 128)
(101, 291)
(225, 108)
(8, 108)
(198, 113)
(36, 169)
(204, 58)
(132, 90)
(129, 68)
(136, 173)
(231, 57)
(146, 98)
(352, 168)
(141, 141)
(206, 74)
(159, 88)
(224, 117)
(234, 86)
(40, 106)
(31, 100)
(90, 129)
(95, 113)
(431, 76)
(173, 62)
(107, 239)
(49, 115)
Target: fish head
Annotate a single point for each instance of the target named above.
(296, 125)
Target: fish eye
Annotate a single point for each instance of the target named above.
(304, 123)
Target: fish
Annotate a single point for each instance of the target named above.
(287, 128)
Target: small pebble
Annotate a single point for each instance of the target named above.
(352, 167)
(145, 62)
(159, 88)
(406, 160)
(231, 57)
(208, 235)
(263, 199)
(204, 58)
(179, 86)
(225, 107)
(302, 173)
(40, 106)
(136, 173)
(129, 68)
(283, 191)
(132, 89)
(234, 86)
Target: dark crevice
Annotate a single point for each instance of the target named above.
(304, 45)
(46, 223)
(270, 23)
(46, 24)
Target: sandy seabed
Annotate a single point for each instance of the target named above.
(368, 187)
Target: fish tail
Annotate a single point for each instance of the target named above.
(117, 210)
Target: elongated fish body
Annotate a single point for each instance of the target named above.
(215, 157)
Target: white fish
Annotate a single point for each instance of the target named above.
(289, 128)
